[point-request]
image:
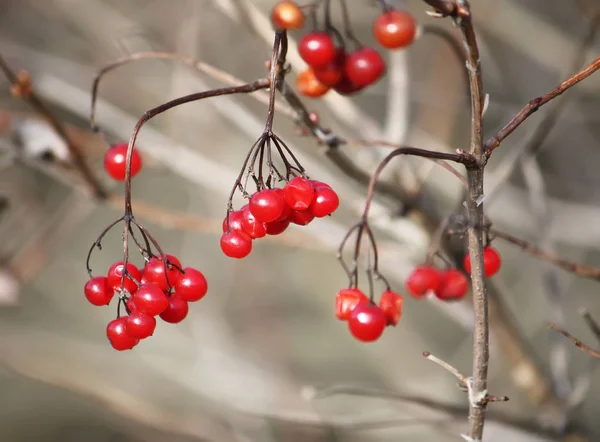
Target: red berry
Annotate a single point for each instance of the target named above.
(252, 227)
(98, 291)
(391, 305)
(116, 272)
(115, 160)
(150, 299)
(287, 210)
(317, 49)
(346, 300)
(277, 227)
(316, 184)
(422, 280)
(192, 286)
(333, 72)
(140, 325)
(308, 85)
(394, 29)
(177, 310)
(154, 271)
(367, 322)
(491, 262)
(267, 205)
(299, 193)
(287, 15)
(116, 332)
(236, 244)
(454, 285)
(346, 87)
(364, 66)
(130, 303)
(235, 221)
(301, 217)
(325, 202)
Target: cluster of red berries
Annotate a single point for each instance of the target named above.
(366, 319)
(115, 160)
(270, 212)
(330, 65)
(158, 289)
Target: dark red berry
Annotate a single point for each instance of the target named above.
(116, 332)
(154, 271)
(346, 300)
(140, 325)
(98, 291)
(267, 205)
(150, 299)
(325, 202)
(277, 227)
(301, 217)
(177, 310)
(364, 66)
(346, 87)
(236, 244)
(422, 280)
(391, 304)
(333, 72)
(491, 262)
(192, 286)
(114, 161)
(115, 274)
(367, 322)
(317, 49)
(453, 286)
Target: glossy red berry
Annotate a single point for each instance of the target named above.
(267, 205)
(177, 310)
(192, 286)
(235, 221)
(116, 272)
(287, 15)
(301, 217)
(252, 227)
(364, 66)
(325, 202)
(299, 193)
(154, 271)
(422, 280)
(454, 285)
(150, 299)
(115, 160)
(346, 300)
(140, 325)
(308, 85)
(98, 291)
(236, 244)
(130, 303)
(277, 227)
(491, 262)
(391, 304)
(317, 49)
(333, 72)
(116, 332)
(367, 322)
(394, 29)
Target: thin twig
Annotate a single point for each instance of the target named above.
(592, 324)
(462, 379)
(583, 347)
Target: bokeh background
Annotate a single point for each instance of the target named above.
(262, 357)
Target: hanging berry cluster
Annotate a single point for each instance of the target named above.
(334, 62)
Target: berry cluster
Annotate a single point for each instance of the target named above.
(270, 212)
(115, 161)
(331, 64)
(161, 288)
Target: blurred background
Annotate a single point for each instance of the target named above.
(262, 357)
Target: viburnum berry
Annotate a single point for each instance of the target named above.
(154, 271)
(491, 261)
(115, 273)
(317, 49)
(394, 29)
(301, 217)
(364, 66)
(98, 291)
(299, 193)
(140, 325)
(236, 244)
(316, 184)
(391, 304)
(267, 205)
(308, 85)
(115, 161)
(192, 286)
(150, 299)
(287, 210)
(277, 227)
(235, 221)
(176, 311)
(287, 15)
(252, 227)
(346, 87)
(422, 280)
(333, 72)
(453, 286)
(367, 321)
(346, 300)
(325, 202)
(116, 331)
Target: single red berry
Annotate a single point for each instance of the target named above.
(130, 303)
(252, 227)
(115, 160)
(364, 66)
(98, 291)
(150, 299)
(154, 271)
(277, 227)
(454, 285)
(333, 72)
(316, 184)
(346, 300)
(192, 286)
(422, 280)
(267, 205)
(177, 310)
(346, 87)
(301, 217)
(491, 262)
(394, 29)
(115, 274)
(367, 322)
(235, 221)
(308, 85)
(325, 202)
(299, 193)
(287, 210)
(287, 15)
(140, 325)
(118, 337)
(391, 304)
(236, 244)
(317, 49)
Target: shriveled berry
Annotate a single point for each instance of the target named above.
(98, 291)
(177, 310)
(491, 261)
(140, 325)
(115, 273)
(367, 322)
(299, 193)
(453, 286)
(154, 271)
(422, 280)
(192, 286)
(317, 49)
(325, 202)
(252, 227)
(391, 304)
(346, 300)
(115, 161)
(150, 299)
(364, 66)
(118, 337)
(236, 244)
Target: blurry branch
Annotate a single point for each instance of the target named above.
(592, 324)
(21, 87)
(583, 347)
